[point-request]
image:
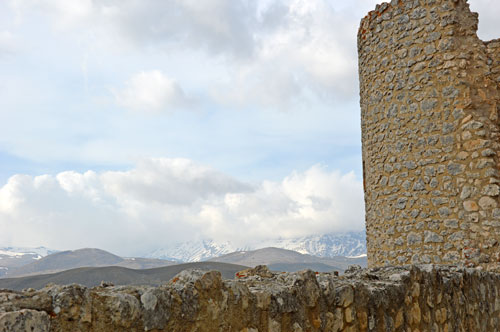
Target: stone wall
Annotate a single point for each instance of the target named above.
(429, 91)
(416, 298)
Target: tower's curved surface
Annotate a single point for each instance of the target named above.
(430, 100)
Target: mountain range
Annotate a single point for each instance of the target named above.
(90, 266)
(14, 257)
(288, 260)
(350, 244)
(71, 259)
(320, 253)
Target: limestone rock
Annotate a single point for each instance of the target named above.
(388, 299)
(24, 321)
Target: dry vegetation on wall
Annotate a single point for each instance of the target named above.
(430, 132)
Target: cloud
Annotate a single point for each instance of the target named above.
(7, 42)
(489, 12)
(299, 52)
(151, 91)
(274, 54)
(63, 13)
(170, 181)
(313, 202)
(218, 26)
(162, 201)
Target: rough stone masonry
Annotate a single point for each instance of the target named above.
(429, 91)
(417, 298)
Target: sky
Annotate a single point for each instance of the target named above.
(130, 124)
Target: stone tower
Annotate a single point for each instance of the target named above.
(430, 98)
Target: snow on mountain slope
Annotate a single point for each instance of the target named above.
(39, 252)
(12, 257)
(193, 251)
(10, 253)
(351, 244)
(328, 245)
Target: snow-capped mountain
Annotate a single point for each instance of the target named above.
(12, 257)
(38, 252)
(193, 251)
(351, 244)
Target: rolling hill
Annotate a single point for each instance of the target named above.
(93, 276)
(88, 257)
(288, 260)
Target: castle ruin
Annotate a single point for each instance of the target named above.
(430, 98)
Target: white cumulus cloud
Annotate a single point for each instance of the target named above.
(268, 53)
(168, 200)
(299, 51)
(63, 13)
(7, 42)
(151, 91)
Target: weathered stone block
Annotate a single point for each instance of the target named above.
(384, 299)
(24, 320)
